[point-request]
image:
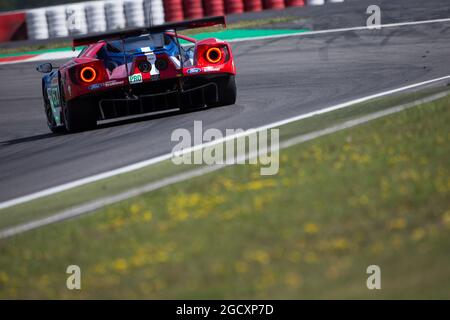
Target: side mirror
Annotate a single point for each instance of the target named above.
(45, 67)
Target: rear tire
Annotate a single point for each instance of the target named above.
(51, 123)
(80, 115)
(226, 91)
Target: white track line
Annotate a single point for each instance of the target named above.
(48, 56)
(145, 163)
(109, 200)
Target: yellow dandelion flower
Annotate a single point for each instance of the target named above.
(120, 265)
(228, 215)
(3, 278)
(260, 256)
(228, 184)
(347, 147)
(260, 184)
(162, 256)
(100, 269)
(337, 165)
(311, 228)
(418, 234)
(397, 242)
(135, 208)
(138, 260)
(340, 244)
(147, 216)
(377, 248)
(241, 267)
(311, 257)
(217, 268)
(397, 224)
(446, 219)
(193, 199)
(258, 203)
(117, 222)
(363, 199)
(292, 280)
(182, 215)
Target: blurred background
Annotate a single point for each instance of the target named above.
(48, 19)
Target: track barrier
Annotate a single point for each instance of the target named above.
(294, 3)
(193, 9)
(115, 15)
(134, 13)
(37, 24)
(253, 5)
(154, 12)
(95, 16)
(101, 16)
(234, 6)
(273, 4)
(173, 10)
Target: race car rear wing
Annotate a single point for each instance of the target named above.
(177, 26)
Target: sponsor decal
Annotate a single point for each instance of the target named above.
(53, 97)
(135, 78)
(95, 86)
(113, 83)
(193, 70)
(146, 49)
(211, 69)
(107, 84)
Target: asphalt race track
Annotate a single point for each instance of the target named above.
(277, 78)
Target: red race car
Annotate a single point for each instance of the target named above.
(138, 71)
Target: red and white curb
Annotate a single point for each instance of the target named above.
(47, 56)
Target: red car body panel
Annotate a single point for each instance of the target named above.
(74, 88)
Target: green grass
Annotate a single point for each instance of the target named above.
(373, 194)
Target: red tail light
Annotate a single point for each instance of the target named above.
(88, 74)
(213, 55)
(207, 55)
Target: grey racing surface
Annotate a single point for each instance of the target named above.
(277, 79)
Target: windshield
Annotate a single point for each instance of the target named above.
(144, 43)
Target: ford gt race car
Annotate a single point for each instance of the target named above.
(138, 71)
